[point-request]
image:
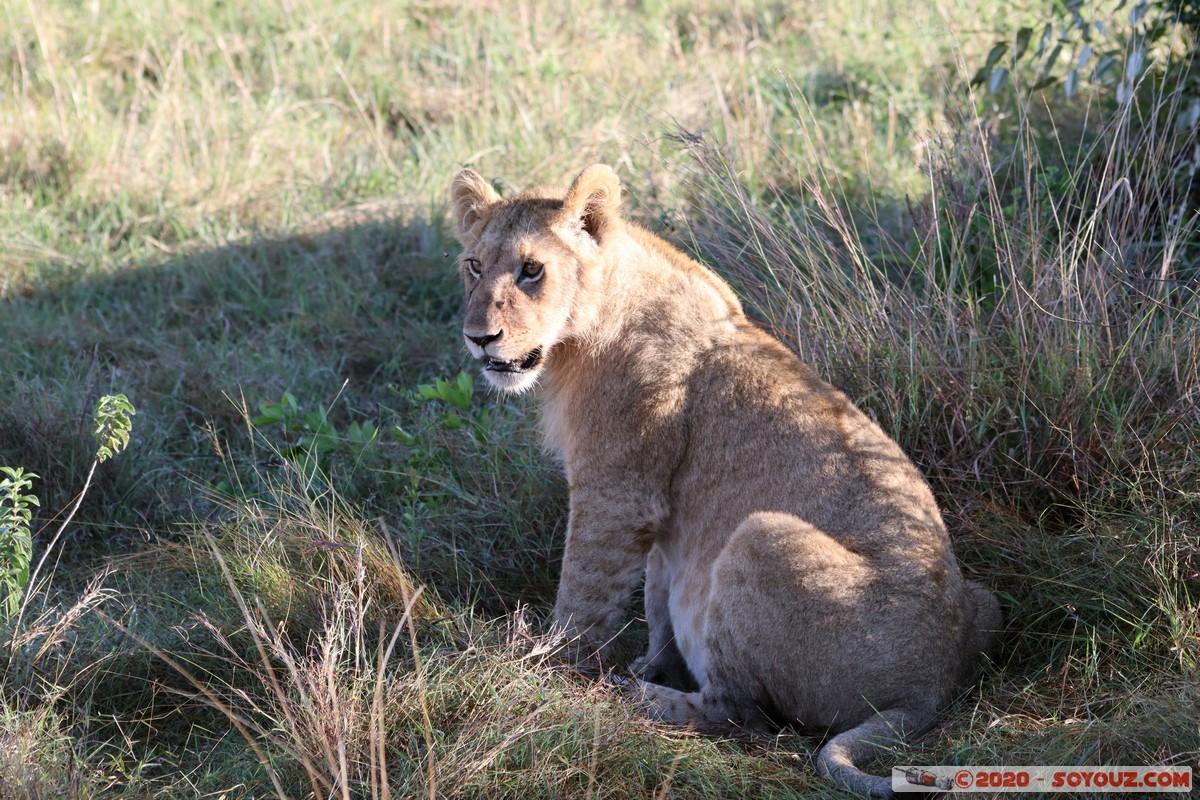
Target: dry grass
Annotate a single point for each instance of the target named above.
(1037, 342)
(358, 685)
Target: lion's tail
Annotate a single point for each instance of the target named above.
(836, 760)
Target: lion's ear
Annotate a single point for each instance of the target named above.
(594, 200)
(470, 195)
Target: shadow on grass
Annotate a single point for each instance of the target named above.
(347, 315)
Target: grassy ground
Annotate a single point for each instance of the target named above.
(236, 218)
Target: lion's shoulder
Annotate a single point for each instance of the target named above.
(665, 258)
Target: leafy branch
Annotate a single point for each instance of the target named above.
(1080, 44)
(16, 541)
(113, 425)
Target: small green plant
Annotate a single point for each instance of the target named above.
(428, 458)
(458, 393)
(16, 541)
(315, 434)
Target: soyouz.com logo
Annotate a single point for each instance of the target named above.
(1042, 779)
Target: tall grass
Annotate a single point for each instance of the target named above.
(1033, 338)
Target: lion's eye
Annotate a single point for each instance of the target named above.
(532, 270)
(473, 267)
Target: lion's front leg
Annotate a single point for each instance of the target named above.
(603, 563)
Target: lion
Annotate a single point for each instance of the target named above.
(796, 565)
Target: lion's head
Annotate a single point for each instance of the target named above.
(527, 265)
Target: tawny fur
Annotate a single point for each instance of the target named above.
(794, 559)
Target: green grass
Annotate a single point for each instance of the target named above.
(206, 208)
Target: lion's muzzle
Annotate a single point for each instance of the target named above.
(524, 364)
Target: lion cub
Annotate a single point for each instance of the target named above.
(794, 559)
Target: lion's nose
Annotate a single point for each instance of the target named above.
(485, 340)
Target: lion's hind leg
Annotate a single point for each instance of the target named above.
(662, 661)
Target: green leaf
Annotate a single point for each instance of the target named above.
(1103, 67)
(1071, 86)
(1023, 37)
(363, 433)
(323, 443)
(271, 414)
(1133, 67)
(1052, 58)
(998, 80)
(1084, 56)
(316, 422)
(12, 598)
(1044, 42)
(464, 388)
(994, 54)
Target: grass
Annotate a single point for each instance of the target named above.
(206, 208)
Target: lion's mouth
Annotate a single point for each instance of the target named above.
(523, 364)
